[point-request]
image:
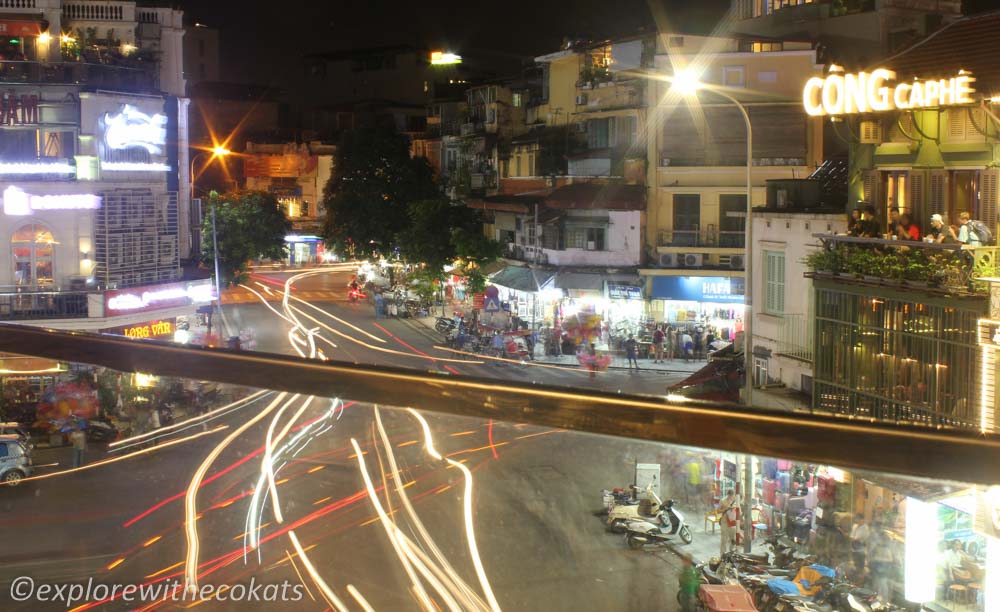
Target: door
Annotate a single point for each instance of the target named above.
(732, 220)
(687, 219)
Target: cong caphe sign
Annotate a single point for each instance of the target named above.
(878, 91)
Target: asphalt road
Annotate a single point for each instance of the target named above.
(333, 533)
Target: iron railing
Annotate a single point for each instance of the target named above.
(851, 444)
(81, 73)
(795, 336)
(701, 238)
(29, 305)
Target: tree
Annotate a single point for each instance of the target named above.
(249, 225)
(367, 198)
(473, 248)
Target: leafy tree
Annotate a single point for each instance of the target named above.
(473, 248)
(374, 181)
(249, 225)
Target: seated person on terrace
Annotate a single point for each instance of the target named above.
(906, 229)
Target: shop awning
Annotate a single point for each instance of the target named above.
(11, 25)
(593, 281)
(598, 196)
(918, 489)
(521, 279)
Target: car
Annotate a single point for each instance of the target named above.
(15, 460)
(18, 430)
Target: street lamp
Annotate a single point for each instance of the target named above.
(217, 152)
(686, 83)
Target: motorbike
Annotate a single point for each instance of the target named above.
(355, 295)
(640, 533)
(444, 325)
(651, 508)
(615, 497)
(808, 587)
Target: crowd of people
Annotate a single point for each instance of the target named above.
(864, 222)
(685, 343)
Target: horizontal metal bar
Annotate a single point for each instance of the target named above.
(853, 444)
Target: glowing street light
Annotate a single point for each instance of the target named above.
(685, 82)
(441, 58)
(220, 151)
(44, 38)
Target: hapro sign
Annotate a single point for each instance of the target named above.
(875, 91)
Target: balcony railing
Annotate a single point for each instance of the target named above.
(31, 305)
(81, 73)
(932, 267)
(795, 336)
(99, 11)
(701, 238)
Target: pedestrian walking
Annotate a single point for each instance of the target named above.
(592, 354)
(631, 352)
(671, 343)
(379, 304)
(529, 341)
(497, 345)
(79, 440)
(658, 339)
(686, 345)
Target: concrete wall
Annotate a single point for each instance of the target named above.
(623, 243)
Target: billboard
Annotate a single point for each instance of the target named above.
(289, 165)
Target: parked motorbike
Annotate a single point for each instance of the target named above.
(646, 509)
(640, 533)
(444, 325)
(615, 497)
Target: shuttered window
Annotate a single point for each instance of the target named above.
(774, 282)
(716, 135)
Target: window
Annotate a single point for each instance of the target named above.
(517, 100)
(598, 133)
(687, 219)
(732, 220)
(586, 238)
(33, 249)
(734, 76)
(18, 145)
(675, 41)
(517, 165)
(774, 282)
(626, 132)
(533, 171)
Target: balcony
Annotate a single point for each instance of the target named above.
(267, 453)
(103, 76)
(608, 95)
(710, 238)
(36, 305)
(99, 11)
(944, 269)
(795, 337)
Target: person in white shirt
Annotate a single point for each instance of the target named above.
(860, 534)
(954, 559)
(965, 233)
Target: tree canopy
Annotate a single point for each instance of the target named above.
(368, 195)
(249, 225)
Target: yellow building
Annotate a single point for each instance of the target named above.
(696, 145)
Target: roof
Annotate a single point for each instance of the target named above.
(521, 279)
(602, 196)
(969, 44)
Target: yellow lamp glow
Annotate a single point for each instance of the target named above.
(44, 38)
(67, 39)
(221, 151)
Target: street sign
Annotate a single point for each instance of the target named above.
(491, 304)
(478, 301)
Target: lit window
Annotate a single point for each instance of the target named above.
(33, 249)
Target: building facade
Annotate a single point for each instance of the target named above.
(93, 159)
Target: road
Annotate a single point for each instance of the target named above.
(436, 512)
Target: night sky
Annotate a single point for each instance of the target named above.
(263, 41)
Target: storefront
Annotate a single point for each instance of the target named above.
(304, 249)
(158, 329)
(715, 302)
(527, 293)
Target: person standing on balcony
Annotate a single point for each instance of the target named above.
(966, 232)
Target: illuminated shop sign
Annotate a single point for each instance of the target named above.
(18, 109)
(867, 92)
(440, 58)
(153, 329)
(134, 167)
(698, 288)
(37, 168)
(17, 202)
(132, 129)
(619, 291)
(156, 297)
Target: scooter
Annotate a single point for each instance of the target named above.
(640, 533)
(652, 508)
(444, 325)
(354, 295)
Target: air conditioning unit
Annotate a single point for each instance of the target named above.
(664, 162)
(670, 260)
(581, 100)
(691, 260)
(871, 132)
(736, 262)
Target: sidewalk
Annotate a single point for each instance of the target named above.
(706, 545)
(617, 362)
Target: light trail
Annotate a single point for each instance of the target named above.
(324, 588)
(145, 451)
(359, 598)
(470, 531)
(519, 362)
(240, 403)
(190, 501)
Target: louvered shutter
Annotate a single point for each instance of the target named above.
(937, 193)
(915, 186)
(989, 190)
(871, 187)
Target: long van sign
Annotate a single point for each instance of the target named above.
(872, 92)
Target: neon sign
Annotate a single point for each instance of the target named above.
(156, 329)
(867, 92)
(156, 297)
(37, 168)
(18, 110)
(134, 167)
(16, 202)
(132, 128)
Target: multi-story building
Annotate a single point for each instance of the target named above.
(296, 173)
(201, 54)
(906, 334)
(696, 216)
(850, 32)
(93, 163)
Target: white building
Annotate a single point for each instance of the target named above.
(93, 161)
(783, 315)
